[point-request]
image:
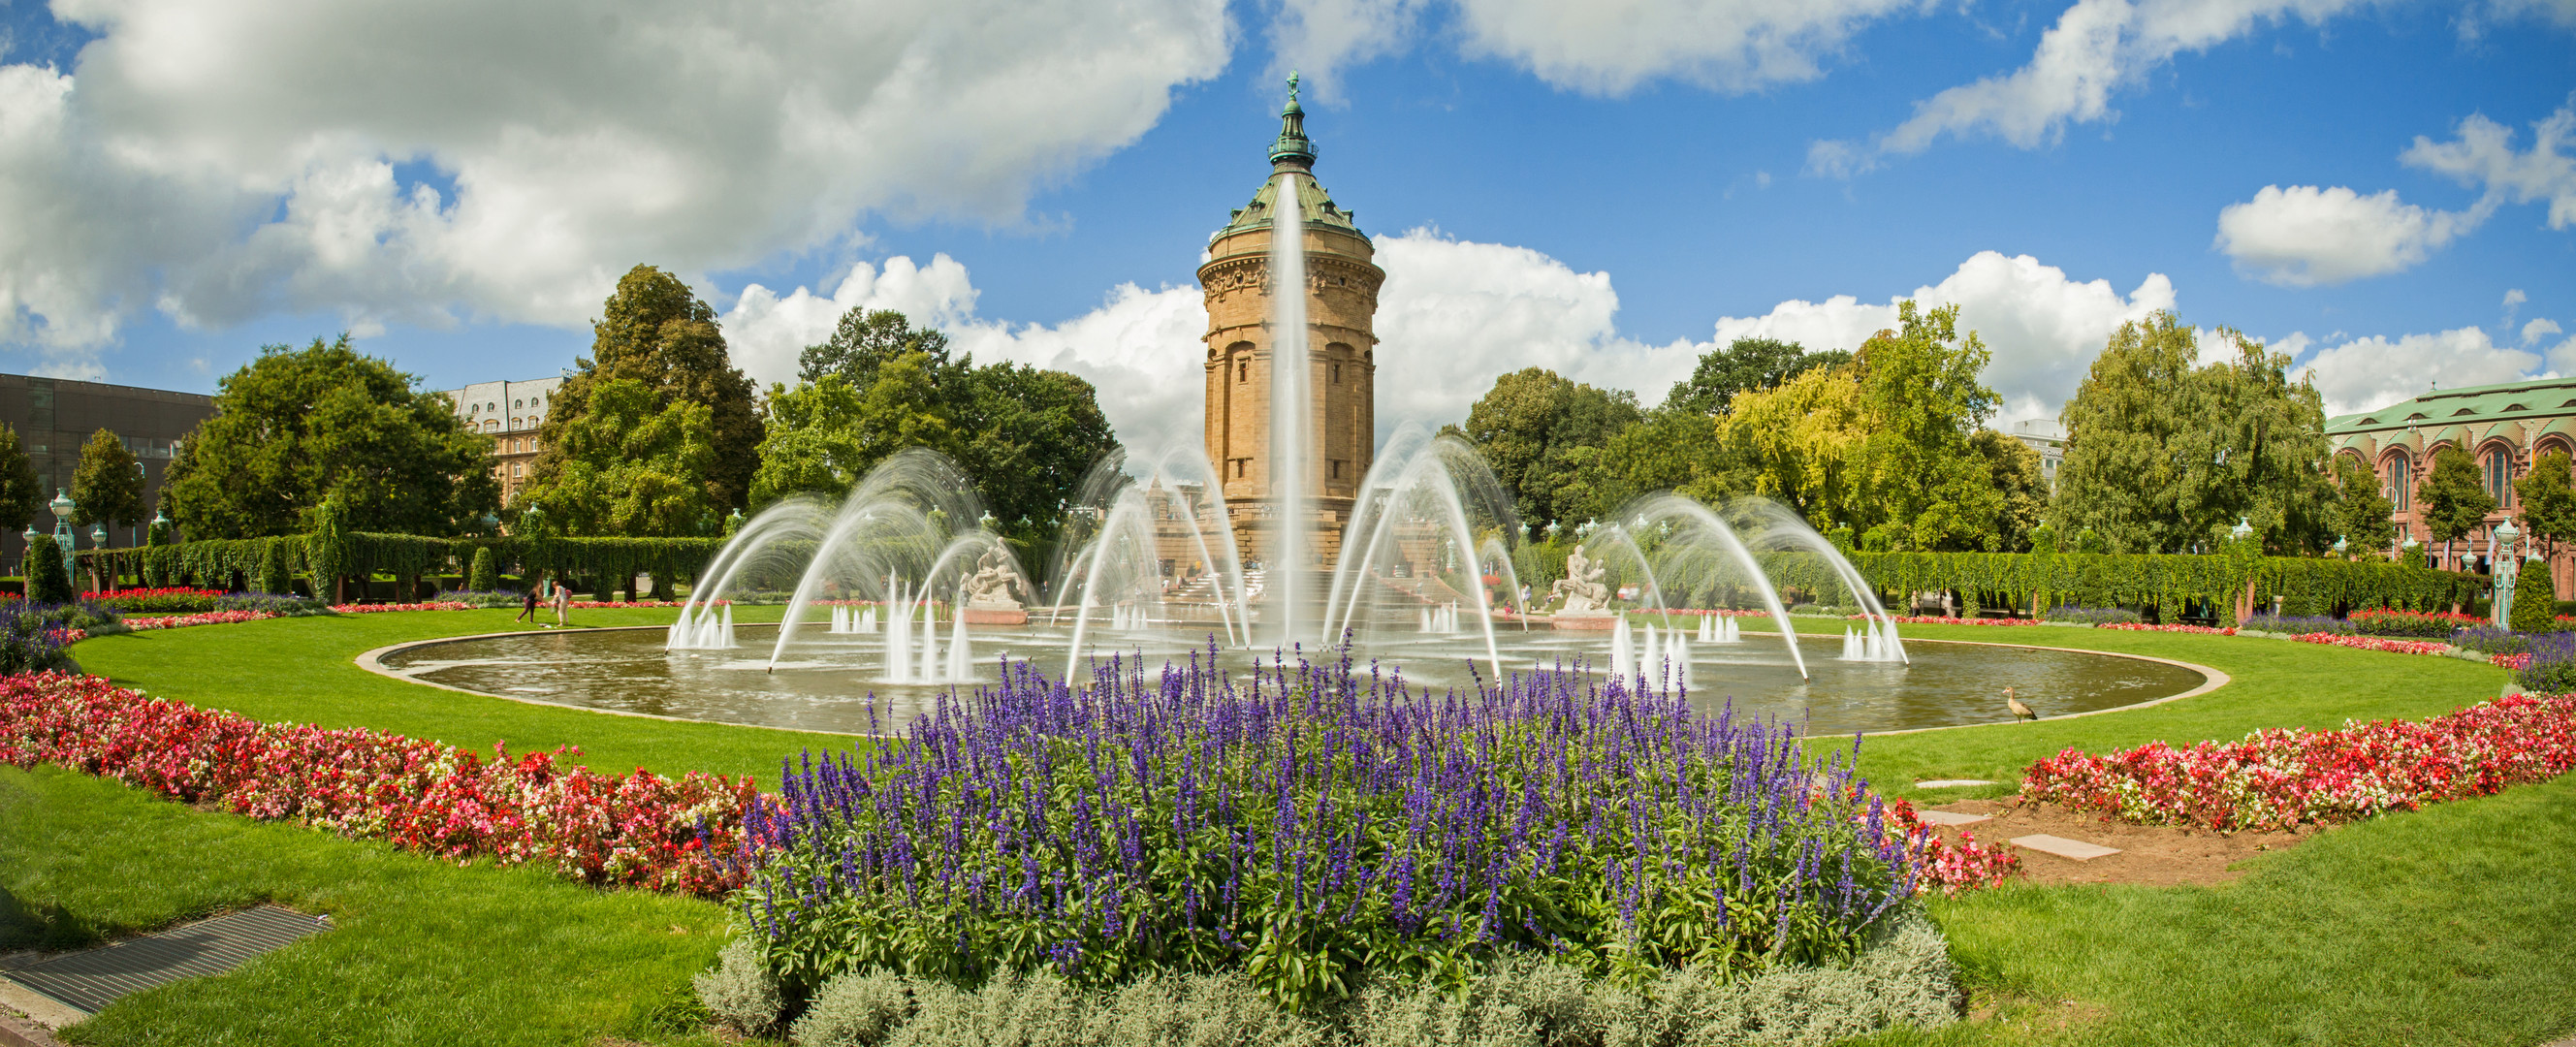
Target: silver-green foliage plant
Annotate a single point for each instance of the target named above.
(740, 991)
(1904, 978)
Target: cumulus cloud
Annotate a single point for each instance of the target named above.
(2364, 374)
(2481, 155)
(220, 159)
(1610, 47)
(2304, 236)
(1318, 38)
(766, 330)
(1455, 308)
(2096, 48)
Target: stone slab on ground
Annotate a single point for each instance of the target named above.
(16, 999)
(93, 978)
(2063, 847)
(1951, 783)
(1952, 817)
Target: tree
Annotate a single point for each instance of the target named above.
(655, 331)
(2163, 455)
(631, 463)
(483, 577)
(20, 496)
(1538, 430)
(866, 340)
(1745, 365)
(2363, 514)
(1923, 397)
(1028, 438)
(2455, 499)
(107, 486)
(2022, 493)
(1795, 445)
(2548, 500)
(298, 427)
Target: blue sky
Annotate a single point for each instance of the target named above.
(1545, 193)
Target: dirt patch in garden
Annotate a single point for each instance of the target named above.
(2160, 855)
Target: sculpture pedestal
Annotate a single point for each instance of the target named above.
(1585, 621)
(996, 615)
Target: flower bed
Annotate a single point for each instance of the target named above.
(2510, 661)
(2434, 624)
(1934, 619)
(1311, 826)
(1951, 867)
(379, 608)
(642, 830)
(2375, 643)
(2171, 627)
(2293, 624)
(178, 621)
(159, 601)
(2278, 779)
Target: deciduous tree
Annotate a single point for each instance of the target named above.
(20, 496)
(299, 426)
(106, 486)
(865, 340)
(1538, 431)
(654, 330)
(1745, 365)
(2454, 498)
(631, 462)
(2362, 511)
(2548, 501)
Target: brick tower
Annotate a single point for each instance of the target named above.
(1339, 348)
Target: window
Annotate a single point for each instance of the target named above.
(1337, 468)
(517, 404)
(491, 425)
(2399, 490)
(1238, 467)
(1337, 372)
(1243, 371)
(518, 471)
(2500, 478)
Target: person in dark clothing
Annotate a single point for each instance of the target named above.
(527, 606)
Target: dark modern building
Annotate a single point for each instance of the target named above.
(55, 416)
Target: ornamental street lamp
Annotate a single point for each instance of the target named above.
(142, 478)
(30, 537)
(62, 507)
(2500, 553)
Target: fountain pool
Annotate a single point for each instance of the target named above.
(835, 682)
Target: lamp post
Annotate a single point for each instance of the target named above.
(30, 538)
(142, 479)
(62, 507)
(2500, 553)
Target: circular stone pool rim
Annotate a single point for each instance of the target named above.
(373, 661)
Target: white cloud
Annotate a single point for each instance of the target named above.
(2368, 373)
(2538, 329)
(1455, 314)
(1610, 47)
(2096, 48)
(1318, 38)
(2482, 156)
(765, 331)
(2304, 236)
(2043, 328)
(221, 159)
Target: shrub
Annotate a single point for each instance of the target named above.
(1904, 978)
(159, 601)
(1316, 827)
(273, 574)
(47, 580)
(2090, 615)
(739, 991)
(275, 605)
(30, 640)
(484, 577)
(2432, 624)
(2552, 669)
(2535, 600)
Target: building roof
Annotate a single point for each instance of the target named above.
(1292, 154)
(2477, 408)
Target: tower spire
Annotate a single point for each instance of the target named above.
(1292, 151)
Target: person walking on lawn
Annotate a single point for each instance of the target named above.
(563, 605)
(527, 606)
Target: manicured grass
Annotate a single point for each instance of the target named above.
(303, 670)
(2447, 925)
(425, 952)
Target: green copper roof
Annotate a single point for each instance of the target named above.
(2469, 405)
(1292, 159)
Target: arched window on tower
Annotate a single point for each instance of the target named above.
(2500, 478)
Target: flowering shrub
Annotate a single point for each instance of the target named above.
(31, 641)
(1315, 826)
(2510, 661)
(378, 608)
(2277, 779)
(2374, 643)
(1717, 612)
(642, 830)
(176, 621)
(2549, 666)
(2436, 624)
(2169, 627)
(163, 601)
(2294, 624)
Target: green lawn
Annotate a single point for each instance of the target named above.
(2444, 926)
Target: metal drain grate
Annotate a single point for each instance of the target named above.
(92, 979)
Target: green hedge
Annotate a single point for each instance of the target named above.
(238, 562)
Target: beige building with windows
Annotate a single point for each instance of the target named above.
(508, 412)
(2503, 428)
(1338, 349)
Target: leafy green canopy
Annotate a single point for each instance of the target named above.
(21, 498)
(299, 426)
(2362, 511)
(2163, 455)
(627, 463)
(2455, 497)
(653, 331)
(1745, 365)
(1027, 436)
(1540, 431)
(2548, 497)
(107, 485)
